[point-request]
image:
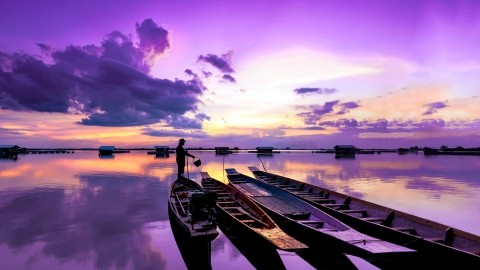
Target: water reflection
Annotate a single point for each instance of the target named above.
(195, 254)
(106, 156)
(81, 212)
(101, 221)
(269, 258)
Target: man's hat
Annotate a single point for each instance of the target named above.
(182, 140)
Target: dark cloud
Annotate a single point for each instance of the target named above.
(434, 107)
(346, 107)
(228, 77)
(430, 124)
(32, 85)
(190, 72)
(47, 50)
(207, 74)
(107, 83)
(383, 125)
(220, 62)
(154, 40)
(306, 90)
(173, 133)
(341, 123)
(316, 113)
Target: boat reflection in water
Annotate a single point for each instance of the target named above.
(195, 253)
(261, 254)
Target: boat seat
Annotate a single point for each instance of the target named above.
(298, 216)
(230, 208)
(406, 229)
(317, 223)
(327, 202)
(436, 240)
(373, 219)
(301, 193)
(328, 230)
(227, 202)
(355, 211)
(337, 206)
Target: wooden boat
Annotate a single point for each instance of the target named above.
(312, 226)
(193, 209)
(249, 216)
(442, 242)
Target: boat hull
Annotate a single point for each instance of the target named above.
(181, 209)
(248, 218)
(395, 226)
(311, 225)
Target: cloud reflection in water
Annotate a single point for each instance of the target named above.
(101, 221)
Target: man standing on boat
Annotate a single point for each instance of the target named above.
(181, 155)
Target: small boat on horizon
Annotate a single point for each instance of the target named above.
(193, 209)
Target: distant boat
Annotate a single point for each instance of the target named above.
(247, 215)
(193, 209)
(312, 226)
(439, 241)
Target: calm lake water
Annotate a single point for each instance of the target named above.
(79, 211)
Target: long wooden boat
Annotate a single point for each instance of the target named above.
(193, 209)
(249, 216)
(442, 242)
(312, 226)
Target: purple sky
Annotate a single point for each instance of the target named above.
(249, 73)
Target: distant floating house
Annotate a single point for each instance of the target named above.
(221, 150)
(161, 149)
(265, 149)
(344, 150)
(106, 150)
(9, 149)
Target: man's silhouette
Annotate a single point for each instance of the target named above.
(181, 154)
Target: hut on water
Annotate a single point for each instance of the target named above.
(344, 150)
(106, 149)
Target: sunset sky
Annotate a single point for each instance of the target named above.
(300, 74)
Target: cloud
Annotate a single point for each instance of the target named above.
(307, 90)
(107, 83)
(345, 107)
(340, 123)
(318, 112)
(228, 77)
(222, 63)
(434, 107)
(173, 133)
(154, 40)
(383, 125)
